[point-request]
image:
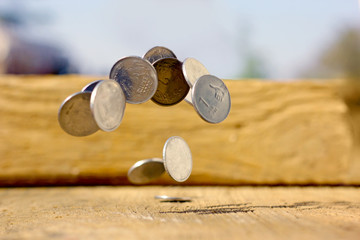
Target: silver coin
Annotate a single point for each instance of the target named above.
(177, 159)
(145, 171)
(173, 199)
(157, 53)
(192, 70)
(75, 116)
(107, 104)
(137, 77)
(211, 99)
(90, 87)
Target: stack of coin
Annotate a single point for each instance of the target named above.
(176, 161)
(158, 76)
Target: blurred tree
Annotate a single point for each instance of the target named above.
(254, 66)
(253, 63)
(341, 59)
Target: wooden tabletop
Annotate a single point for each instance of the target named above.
(214, 213)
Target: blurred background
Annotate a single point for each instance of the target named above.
(276, 39)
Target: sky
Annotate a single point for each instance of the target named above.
(287, 35)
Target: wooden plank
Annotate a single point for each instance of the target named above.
(276, 133)
(214, 213)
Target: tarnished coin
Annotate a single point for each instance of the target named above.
(145, 171)
(157, 53)
(75, 116)
(172, 86)
(173, 199)
(192, 69)
(90, 86)
(137, 77)
(211, 99)
(177, 158)
(107, 104)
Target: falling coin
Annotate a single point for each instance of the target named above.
(145, 171)
(211, 99)
(107, 104)
(90, 86)
(173, 199)
(177, 158)
(75, 116)
(172, 86)
(193, 70)
(157, 53)
(137, 77)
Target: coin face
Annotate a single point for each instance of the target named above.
(75, 116)
(177, 159)
(145, 171)
(107, 104)
(90, 86)
(172, 86)
(192, 69)
(137, 77)
(157, 53)
(211, 99)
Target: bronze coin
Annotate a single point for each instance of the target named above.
(172, 86)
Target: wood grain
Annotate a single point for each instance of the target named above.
(277, 133)
(214, 213)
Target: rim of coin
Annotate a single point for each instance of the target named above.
(158, 52)
(211, 99)
(144, 171)
(75, 116)
(173, 199)
(107, 104)
(90, 87)
(172, 87)
(192, 69)
(137, 78)
(177, 158)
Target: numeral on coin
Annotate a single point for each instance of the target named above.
(211, 108)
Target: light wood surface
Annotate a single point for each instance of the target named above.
(214, 213)
(276, 133)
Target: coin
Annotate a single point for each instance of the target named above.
(172, 86)
(192, 69)
(177, 158)
(145, 171)
(107, 104)
(157, 53)
(90, 86)
(173, 199)
(75, 116)
(211, 99)
(137, 77)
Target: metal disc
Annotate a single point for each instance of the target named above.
(193, 70)
(145, 171)
(90, 86)
(172, 86)
(177, 159)
(173, 199)
(157, 53)
(75, 116)
(211, 99)
(137, 77)
(107, 105)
